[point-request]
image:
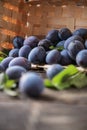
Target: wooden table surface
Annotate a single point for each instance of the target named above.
(54, 110)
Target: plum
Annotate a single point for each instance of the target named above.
(74, 48)
(81, 58)
(14, 52)
(60, 44)
(21, 61)
(53, 36)
(5, 62)
(37, 55)
(64, 33)
(65, 59)
(54, 70)
(81, 32)
(15, 72)
(1, 68)
(71, 39)
(45, 43)
(31, 84)
(86, 44)
(18, 41)
(32, 41)
(53, 57)
(24, 51)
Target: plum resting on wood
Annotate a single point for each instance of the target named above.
(31, 84)
(53, 70)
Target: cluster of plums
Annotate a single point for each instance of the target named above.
(33, 50)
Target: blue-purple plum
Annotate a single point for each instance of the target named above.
(37, 55)
(64, 33)
(31, 84)
(81, 58)
(15, 72)
(86, 44)
(54, 70)
(14, 52)
(24, 51)
(74, 47)
(1, 68)
(53, 36)
(32, 41)
(53, 57)
(65, 59)
(45, 43)
(5, 62)
(81, 32)
(21, 61)
(18, 41)
(71, 39)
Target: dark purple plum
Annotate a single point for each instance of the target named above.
(21, 61)
(15, 72)
(45, 43)
(53, 57)
(54, 70)
(74, 47)
(65, 59)
(32, 41)
(18, 41)
(81, 32)
(71, 39)
(31, 84)
(5, 62)
(14, 52)
(64, 33)
(37, 55)
(81, 58)
(53, 36)
(24, 51)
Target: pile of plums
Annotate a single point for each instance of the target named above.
(33, 50)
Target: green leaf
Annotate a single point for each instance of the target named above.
(2, 54)
(60, 48)
(2, 80)
(1, 58)
(48, 83)
(51, 47)
(9, 84)
(79, 80)
(11, 92)
(62, 80)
